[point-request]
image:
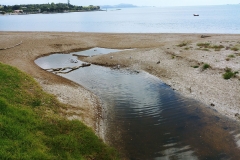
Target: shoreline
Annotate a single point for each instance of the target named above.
(174, 67)
(25, 13)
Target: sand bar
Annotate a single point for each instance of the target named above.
(177, 59)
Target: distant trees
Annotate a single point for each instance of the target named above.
(16, 7)
(59, 7)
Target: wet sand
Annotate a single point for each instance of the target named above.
(158, 54)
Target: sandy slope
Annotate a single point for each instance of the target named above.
(157, 54)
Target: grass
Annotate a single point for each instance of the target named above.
(231, 56)
(207, 46)
(31, 126)
(234, 49)
(195, 66)
(217, 47)
(204, 45)
(205, 49)
(183, 44)
(206, 66)
(229, 74)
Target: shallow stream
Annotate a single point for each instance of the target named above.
(145, 119)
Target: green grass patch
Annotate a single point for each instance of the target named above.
(31, 126)
(204, 45)
(234, 49)
(205, 49)
(182, 44)
(217, 47)
(207, 46)
(229, 74)
(206, 66)
(195, 66)
(231, 56)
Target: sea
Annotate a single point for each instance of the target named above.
(224, 19)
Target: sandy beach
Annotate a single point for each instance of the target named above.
(177, 59)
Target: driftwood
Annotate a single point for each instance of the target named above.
(11, 46)
(63, 70)
(204, 36)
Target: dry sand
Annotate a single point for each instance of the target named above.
(158, 54)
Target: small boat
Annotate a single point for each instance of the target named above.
(195, 14)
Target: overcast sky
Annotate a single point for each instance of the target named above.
(135, 2)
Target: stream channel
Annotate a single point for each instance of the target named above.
(145, 119)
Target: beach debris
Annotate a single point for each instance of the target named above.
(136, 71)
(227, 48)
(204, 36)
(73, 61)
(86, 64)
(212, 104)
(158, 62)
(65, 70)
(237, 115)
(117, 67)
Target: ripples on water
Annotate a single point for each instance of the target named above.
(212, 19)
(146, 119)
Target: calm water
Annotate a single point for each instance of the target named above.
(212, 19)
(146, 119)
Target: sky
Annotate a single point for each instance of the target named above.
(135, 2)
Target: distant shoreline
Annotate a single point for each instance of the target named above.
(49, 12)
(47, 8)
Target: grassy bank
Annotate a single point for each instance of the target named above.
(31, 126)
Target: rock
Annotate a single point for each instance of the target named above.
(158, 62)
(136, 72)
(73, 61)
(237, 115)
(203, 36)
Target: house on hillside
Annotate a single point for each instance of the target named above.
(18, 11)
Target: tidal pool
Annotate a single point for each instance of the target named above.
(145, 119)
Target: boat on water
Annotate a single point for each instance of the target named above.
(195, 14)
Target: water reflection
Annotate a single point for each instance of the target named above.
(146, 119)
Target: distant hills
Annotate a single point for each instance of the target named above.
(122, 5)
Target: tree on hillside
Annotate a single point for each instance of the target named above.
(16, 7)
(52, 7)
